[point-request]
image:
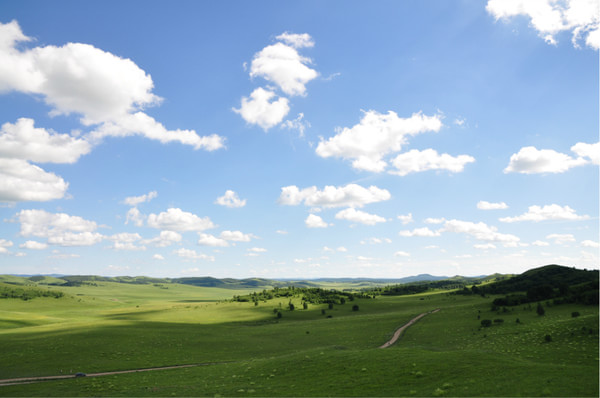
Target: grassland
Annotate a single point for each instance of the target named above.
(112, 326)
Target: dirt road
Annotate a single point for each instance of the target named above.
(401, 329)
(28, 380)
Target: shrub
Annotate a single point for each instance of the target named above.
(305, 305)
(322, 312)
(330, 306)
(498, 320)
(540, 310)
(279, 315)
(547, 338)
(575, 314)
(355, 307)
(486, 323)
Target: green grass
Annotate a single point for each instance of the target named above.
(118, 327)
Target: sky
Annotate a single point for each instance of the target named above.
(298, 139)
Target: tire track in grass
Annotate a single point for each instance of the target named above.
(401, 329)
(29, 380)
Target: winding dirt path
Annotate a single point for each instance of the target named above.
(28, 380)
(401, 329)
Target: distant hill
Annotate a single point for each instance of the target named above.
(552, 275)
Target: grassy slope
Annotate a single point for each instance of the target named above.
(115, 326)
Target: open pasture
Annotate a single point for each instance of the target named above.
(248, 351)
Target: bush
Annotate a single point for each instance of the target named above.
(330, 306)
(547, 338)
(486, 323)
(355, 307)
(279, 315)
(540, 310)
(575, 314)
(498, 320)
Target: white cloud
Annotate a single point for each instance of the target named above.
(483, 205)
(351, 195)
(559, 239)
(431, 220)
(164, 239)
(540, 243)
(284, 66)
(480, 231)
(4, 245)
(375, 241)
(590, 243)
(126, 241)
(415, 161)
(136, 200)
(296, 40)
(281, 232)
(485, 246)
(158, 257)
(192, 255)
(43, 224)
(530, 160)
(421, 232)
(135, 216)
(260, 109)
(297, 124)
(549, 17)
(376, 136)
(406, 219)
(230, 199)
(359, 216)
(591, 151)
(210, 240)
(140, 123)
(22, 181)
(236, 236)
(33, 245)
(548, 212)
(401, 254)
(342, 249)
(175, 219)
(23, 140)
(314, 221)
(255, 251)
(76, 239)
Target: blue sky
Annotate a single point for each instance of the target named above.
(301, 140)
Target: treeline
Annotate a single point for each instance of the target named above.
(585, 293)
(311, 295)
(421, 287)
(7, 292)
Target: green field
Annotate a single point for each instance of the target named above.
(246, 350)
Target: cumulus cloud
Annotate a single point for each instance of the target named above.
(431, 220)
(560, 239)
(484, 205)
(420, 232)
(22, 140)
(548, 212)
(4, 245)
(590, 151)
(136, 200)
(236, 236)
(283, 65)
(376, 136)
(406, 219)
(351, 195)
(415, 161)
(480, 231)
(164, 239)
(359, 216)
(297, 124)
(263, 109)
(210, 240)
(192, 255)
(590, 243)
(109, 94)
(21, 181)
(550, 17)
(33, 245)
(485, 246)
(175, 219)
(296, 40)
(314, 221)
(158, 257)
(540, 243)
(401, 254)
(230, 199)
(67, 238)
(375, 241)
(126, 241)
(530, 160)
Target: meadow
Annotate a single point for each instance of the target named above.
(244, 349)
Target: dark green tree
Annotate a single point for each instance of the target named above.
(540, 310)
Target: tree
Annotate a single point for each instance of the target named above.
(540, 310)
(279, 315)
(291, 306)
(355, 307)
(486, 323)
(305, 305)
